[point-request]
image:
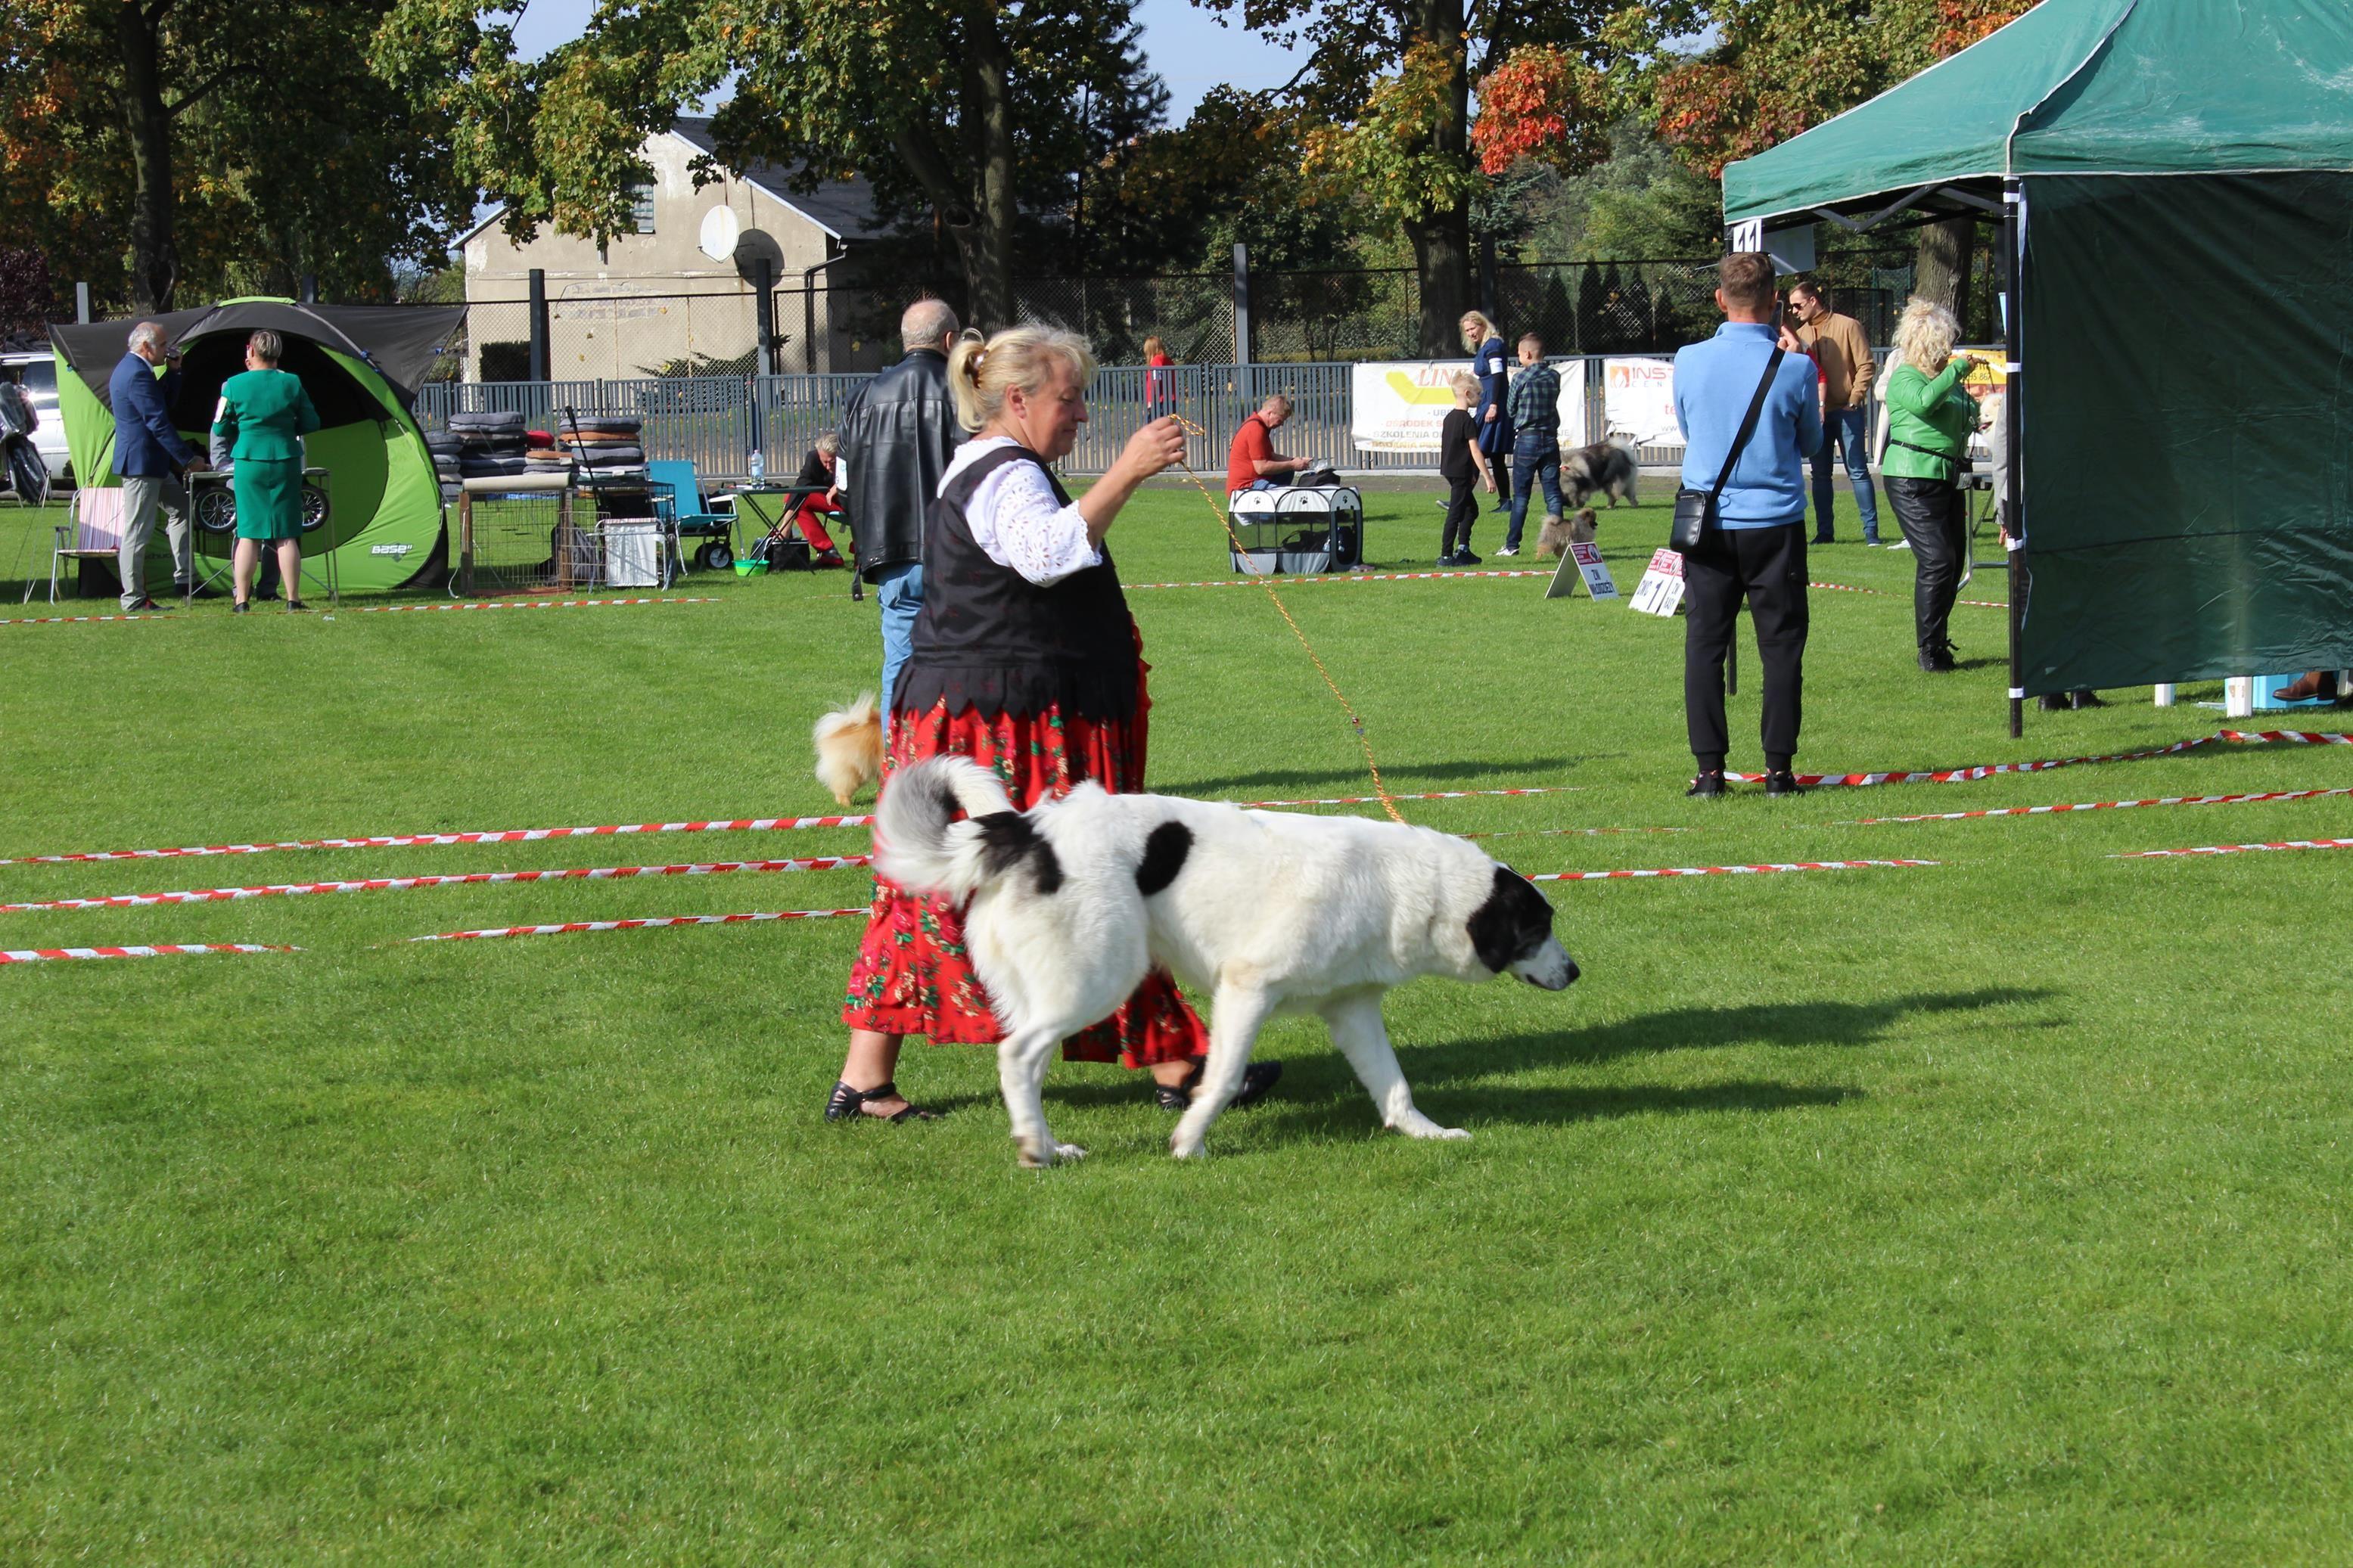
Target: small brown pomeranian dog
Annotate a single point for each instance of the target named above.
(1554, 538)
(850, 748)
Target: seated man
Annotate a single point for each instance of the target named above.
(1252, 463)
(821, 468)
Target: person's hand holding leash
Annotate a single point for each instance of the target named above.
(1158, 446)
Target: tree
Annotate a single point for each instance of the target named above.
(1780, 67)
(960, 106)
(1384, 103)
(155, 145)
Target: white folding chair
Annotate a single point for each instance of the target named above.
(95, 534)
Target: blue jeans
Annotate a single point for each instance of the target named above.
(1850, 428)
(1540, 462)
(899, 589)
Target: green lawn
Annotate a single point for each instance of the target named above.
(1991, 1212)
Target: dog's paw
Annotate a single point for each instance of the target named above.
(1420, 1126)
(1188, 1148)
(1037, 1153)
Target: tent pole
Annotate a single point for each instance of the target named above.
(2013, 419)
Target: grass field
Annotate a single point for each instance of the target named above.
(1987, 1212)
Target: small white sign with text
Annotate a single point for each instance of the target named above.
(1583, 563)
(1660, 591)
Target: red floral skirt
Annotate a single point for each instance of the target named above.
(913, 976)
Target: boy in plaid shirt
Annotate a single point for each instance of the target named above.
(1534, 405)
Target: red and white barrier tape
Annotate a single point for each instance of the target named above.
(2104, 805)
(2235, 848)
(1962, 775)
(62, 620)
(1754, 871)
(734, 824)
(640, 924)
(404, 840)
(457, 879)
(1891, 594)
(1337, 577)
(2295, 737)
(45, 954)
(527, 604)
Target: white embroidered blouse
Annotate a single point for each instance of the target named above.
(1017, 521)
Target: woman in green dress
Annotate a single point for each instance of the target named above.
(263, 415)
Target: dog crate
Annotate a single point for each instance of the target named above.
(1298, 531)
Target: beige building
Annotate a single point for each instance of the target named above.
(677, 296)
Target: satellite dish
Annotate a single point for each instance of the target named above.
(720, 231)
(754, 246)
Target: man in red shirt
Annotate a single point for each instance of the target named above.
(1252, 463)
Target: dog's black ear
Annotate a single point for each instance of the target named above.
(1511, 923)
(1164, 850)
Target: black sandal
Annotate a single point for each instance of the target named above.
(848, 1102)
(296, 604)
(1257, 1079)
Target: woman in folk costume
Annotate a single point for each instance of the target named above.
(261, 419)
(1026, 659)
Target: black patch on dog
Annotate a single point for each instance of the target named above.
(1511, 923)
(1007, 839)
(1164, 856)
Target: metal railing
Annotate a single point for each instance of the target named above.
(716, 422)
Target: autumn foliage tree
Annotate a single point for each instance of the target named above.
(965, 106)
(153, 146)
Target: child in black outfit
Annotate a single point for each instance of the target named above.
(1461, 464)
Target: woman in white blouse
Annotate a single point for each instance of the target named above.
(1025, 658)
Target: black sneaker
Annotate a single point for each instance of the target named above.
(1707, 786)
(1936, 658)
(1782, 781)
(1464, 558)
(1257, 1079)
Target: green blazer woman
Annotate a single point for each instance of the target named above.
(263, 415)
(1929, 418)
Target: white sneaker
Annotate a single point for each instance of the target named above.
(1900, 545)
(1507, 550)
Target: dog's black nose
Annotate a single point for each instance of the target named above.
(1573, 971)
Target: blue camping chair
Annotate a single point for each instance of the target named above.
(678, 501)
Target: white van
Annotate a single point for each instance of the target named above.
(49, 438)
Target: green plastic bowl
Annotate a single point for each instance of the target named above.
(750, 568)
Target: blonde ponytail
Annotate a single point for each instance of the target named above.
(980, 374)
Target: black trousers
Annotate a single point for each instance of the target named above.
(1934, 517)
(1768, 566)
(1462, 511)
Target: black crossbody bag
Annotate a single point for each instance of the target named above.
(1695, 510)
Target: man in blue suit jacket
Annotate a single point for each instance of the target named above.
(152, 458)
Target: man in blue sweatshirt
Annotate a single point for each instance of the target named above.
(1759, 549)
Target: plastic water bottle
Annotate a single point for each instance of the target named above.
(759, 469)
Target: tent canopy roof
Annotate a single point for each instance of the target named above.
(2119, 87)
(399, 342)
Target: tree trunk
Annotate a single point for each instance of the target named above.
(153, 261)
(991, 269)
(1441, 237)
(1940, 268)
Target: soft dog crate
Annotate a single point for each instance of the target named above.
(1298, 531)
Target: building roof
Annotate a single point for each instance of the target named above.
(842, 208)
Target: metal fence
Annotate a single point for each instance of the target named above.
(716, 422)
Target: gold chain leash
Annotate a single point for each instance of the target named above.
(1233, 540)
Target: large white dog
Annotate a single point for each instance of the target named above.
(1073, 901)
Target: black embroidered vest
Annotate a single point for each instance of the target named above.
(989, 639)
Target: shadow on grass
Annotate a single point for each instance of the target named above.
(1427, 772)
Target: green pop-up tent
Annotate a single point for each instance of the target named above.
(361, 364)
(2175, 180)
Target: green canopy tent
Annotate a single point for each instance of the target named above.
(361, 364)
(2175, 182)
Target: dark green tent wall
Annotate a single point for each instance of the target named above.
(2188, 434)
(2186, 175)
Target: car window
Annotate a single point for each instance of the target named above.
(41, 381)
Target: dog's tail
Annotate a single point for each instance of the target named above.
(849, 747)
(918, 843)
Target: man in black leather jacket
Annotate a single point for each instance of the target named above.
(896, 438)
